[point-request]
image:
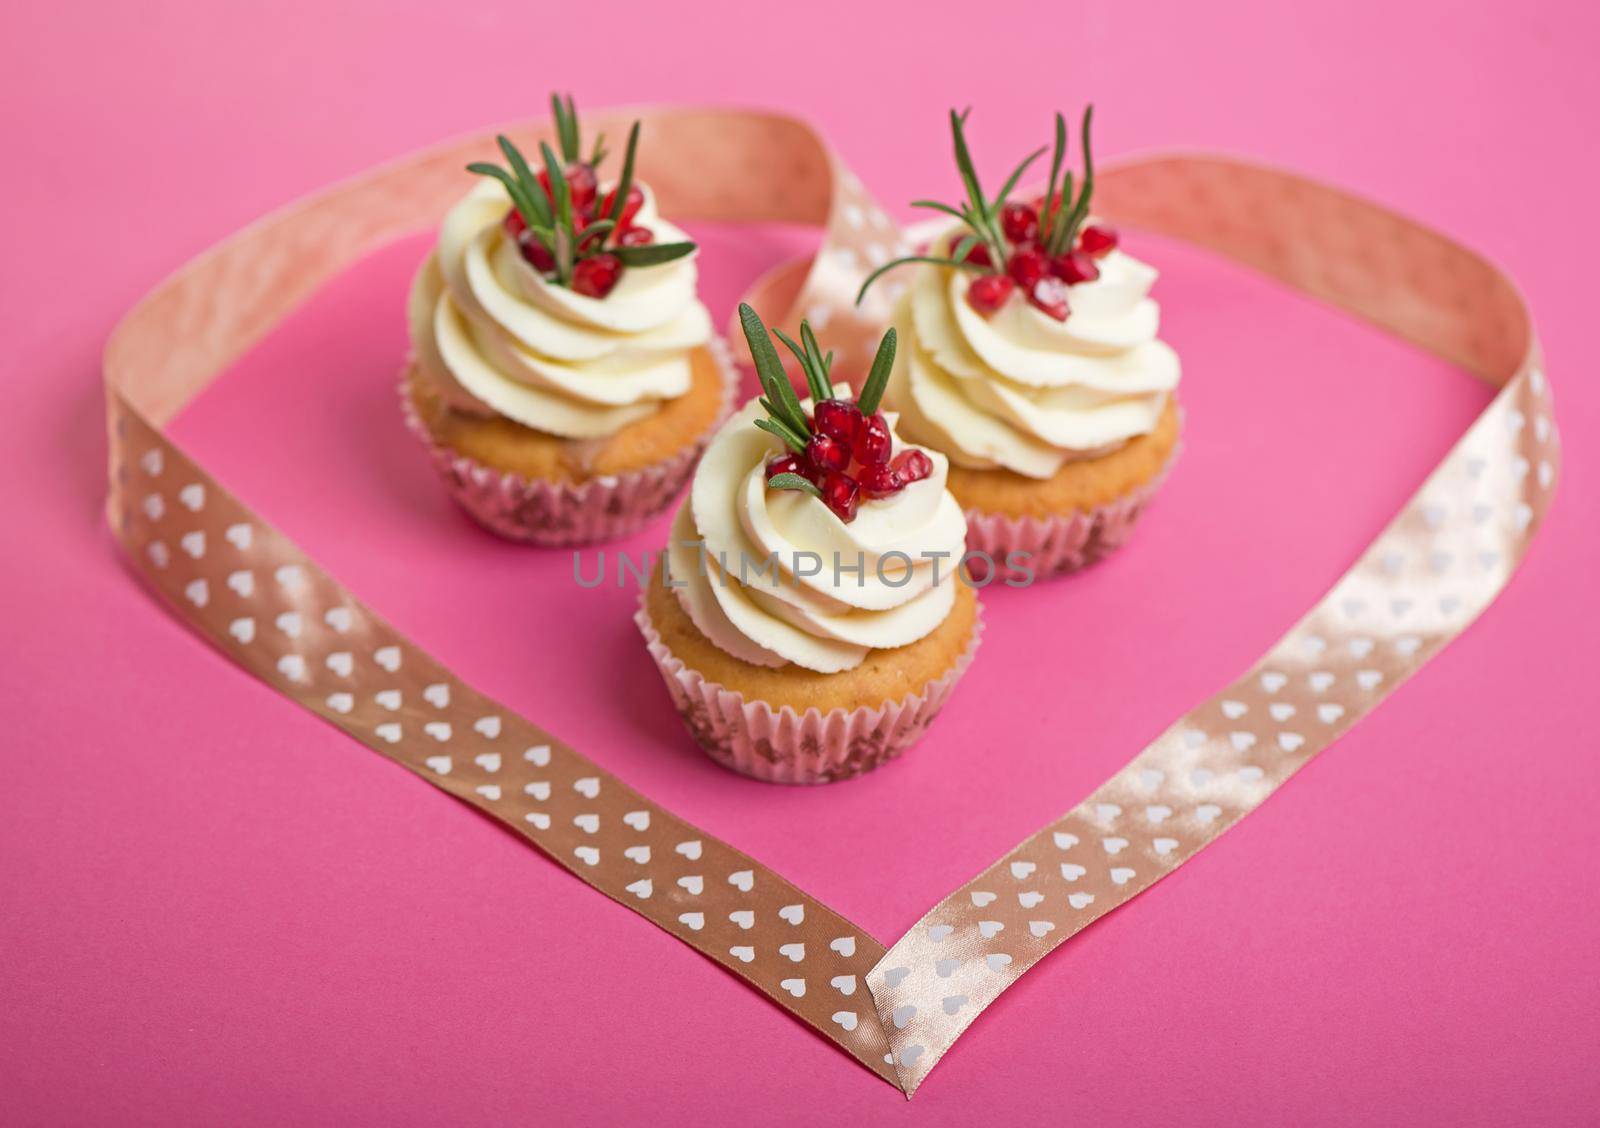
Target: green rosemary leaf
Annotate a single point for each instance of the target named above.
(625, 183)
(514, 189)
(566, 118)
(594, 236)
(1063, 210)
(793, 482)
(962, 249)
(532, 189)
(566, 238)
(969, 175)
(769, 370)
(652, 254)
(545, 235)
(1016, 175)
(776, 426)
(783, 434)
(562, 193)
(819, 362)
(803, 355)
(878, 377)
(892, 263)
(979, 217)
(599, 152)
(558, 113)
(560, 190)
(1058, 154)
(935, 205)
(1080, 210)
(563, 251)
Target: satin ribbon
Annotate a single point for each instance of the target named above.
(245, 588)
(1437, 565)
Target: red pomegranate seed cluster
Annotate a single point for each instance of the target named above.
(1041, 278)
(838, 450)
(848, 456)
(598, 274)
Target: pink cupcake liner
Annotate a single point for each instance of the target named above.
(557, 514)
(1054, 545)
(783, 746)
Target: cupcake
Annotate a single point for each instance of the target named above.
(563, 371)
(808, 616)
(1031, 360)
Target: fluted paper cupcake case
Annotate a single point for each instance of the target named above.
(1055, 545)
(780, 745)
(557, 514)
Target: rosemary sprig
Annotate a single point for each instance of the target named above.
(878, 376)
(812, 362)
(551, 214)
(566, 230)
(786, 419)
(979, 213)
(976, 211)
(939, 260)
(565, 115)
(1063, 213)
(625, 181)
(1058, 156)
(793, 482)
(780, 401)
(651, 254)
(1058, 226)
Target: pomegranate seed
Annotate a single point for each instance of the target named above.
(1019, 222)
(912, 465)
(635, 237)
(537, 254)
(630, 206)
(838, 420)
(514, 224)
(595, 276)
(1098, 241)
(581, 183)
(1026, 266)
(1049, 296)
(841, 493)
(786, 464)
(989, 293)
(828, 453)
(1074, 267)
(880, 481)
(873, 441)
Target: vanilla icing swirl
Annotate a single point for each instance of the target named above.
(1020, 390)
(497, 338)
(774, 577)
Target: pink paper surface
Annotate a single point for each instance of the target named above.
(213, 908)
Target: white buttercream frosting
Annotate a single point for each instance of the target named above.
(800, 607)
(496, 336)
(1019, 389)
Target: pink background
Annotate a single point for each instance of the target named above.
(214, 908)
